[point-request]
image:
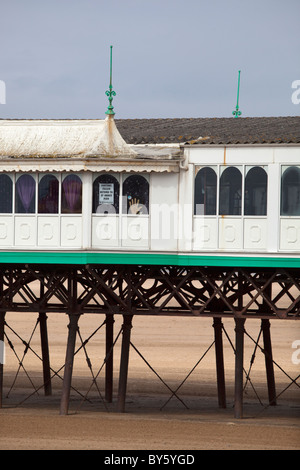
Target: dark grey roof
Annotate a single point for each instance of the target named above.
(223, 131)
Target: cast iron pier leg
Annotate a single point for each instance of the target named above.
(220, 362)
(45, 353)
(127, 325)
(109, 356)
(64, 404)
(239, 367)
(2, 323)
(265, 324)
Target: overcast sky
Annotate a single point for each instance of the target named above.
(171, 58)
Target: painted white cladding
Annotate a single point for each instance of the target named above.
(171, 223)
(290, 234)
(44, 232)
(269, 233)
(164, 212)
(6, 231)
(157, 230)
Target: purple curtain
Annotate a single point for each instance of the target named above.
(72, 191)
(26, 189)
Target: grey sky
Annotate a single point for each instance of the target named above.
(171, 58)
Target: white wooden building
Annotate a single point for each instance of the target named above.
(192, 187)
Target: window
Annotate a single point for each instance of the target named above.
(106, 189)
(48, 195)
(290, 191)
(71, 196)
(6, 191)
(135, 195)
(25, 195)
(256, 182)
(205, 192)
(230, 192)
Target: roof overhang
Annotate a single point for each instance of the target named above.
(62, 139)
(92, 165)
(78, 145)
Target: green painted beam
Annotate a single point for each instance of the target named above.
(85, 257)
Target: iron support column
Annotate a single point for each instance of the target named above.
(127, 325)
(239, 367)
(45, 353)
(73, 326)
(109, 358)
(2, 323)
(265, 324)
(217, 324)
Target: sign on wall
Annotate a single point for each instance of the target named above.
(106, 193)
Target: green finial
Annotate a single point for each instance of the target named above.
(237, 113)
(110, 93)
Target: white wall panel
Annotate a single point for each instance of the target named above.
(255, 234)
(230, 234)
(25, 231)
(105, 231)
(290, 234)
(71, 231)
(6, 231)
(205, 233)
(48, 231)
(164, 211)
(135, 231)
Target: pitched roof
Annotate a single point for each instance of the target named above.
(223, 131)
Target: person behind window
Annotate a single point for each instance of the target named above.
(136, 195)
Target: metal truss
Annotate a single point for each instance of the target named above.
(128, 290)
(152, 290)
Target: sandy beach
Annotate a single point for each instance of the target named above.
(153, 419)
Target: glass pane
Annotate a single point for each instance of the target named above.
(290, 191)
(205, 192)
(6, 188)
(256, 183)
(135, 195)
(106, 189)
(48, 195)
(230, 192)
(25, 195)
(71, 196)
